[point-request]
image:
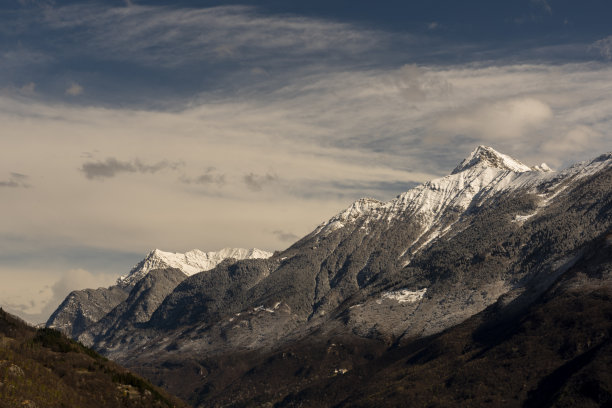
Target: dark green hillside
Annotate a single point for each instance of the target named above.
(43, 368)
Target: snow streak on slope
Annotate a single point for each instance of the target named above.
(480, 176)
(405, 295)
(484, 172)
(189, 263)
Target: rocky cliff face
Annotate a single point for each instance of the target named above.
(142, 301)
(82, 308)
(493, 232)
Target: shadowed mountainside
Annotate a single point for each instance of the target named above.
(552, 352)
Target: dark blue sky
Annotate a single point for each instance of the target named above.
(473, 20)
(55, 50)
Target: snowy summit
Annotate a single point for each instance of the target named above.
(485, 155)
(189, 263)
(484, 173)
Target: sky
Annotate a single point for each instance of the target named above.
(130, 125)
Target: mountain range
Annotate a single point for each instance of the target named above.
(496, 263)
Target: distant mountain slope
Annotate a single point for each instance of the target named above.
(143, 300)
(43, 368)
(83, 308)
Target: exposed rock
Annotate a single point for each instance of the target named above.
(143, 300)
(82, 308)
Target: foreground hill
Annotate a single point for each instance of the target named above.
(43, 368)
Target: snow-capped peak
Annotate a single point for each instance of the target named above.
(482, 174)
(189, 263)
(485, 155)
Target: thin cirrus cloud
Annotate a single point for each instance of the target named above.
(74, 89)
(498, 120)
(210, 177)
(543, 4)
(16, 180)
(285, 236)
(574, 140)
(256, 182)
(217, 33)
(111, 167)
(35, 304)
(604, 47)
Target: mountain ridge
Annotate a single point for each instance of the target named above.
(190, 262)
(82, 309)
(389, 273)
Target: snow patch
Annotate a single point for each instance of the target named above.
(542, 167)
(332, 226)
(405, 295)
(523, 218)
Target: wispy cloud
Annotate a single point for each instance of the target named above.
(509, 119)
(74, 89)
(285, 236)
(28, 89)
(573, 140)
(256, 182)
(36, 2)
(35, 303)
(543, 4)
(111, 167)
(210, 176)
(16, 180)
(226, 32)
(604, 46)
(77, 278)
